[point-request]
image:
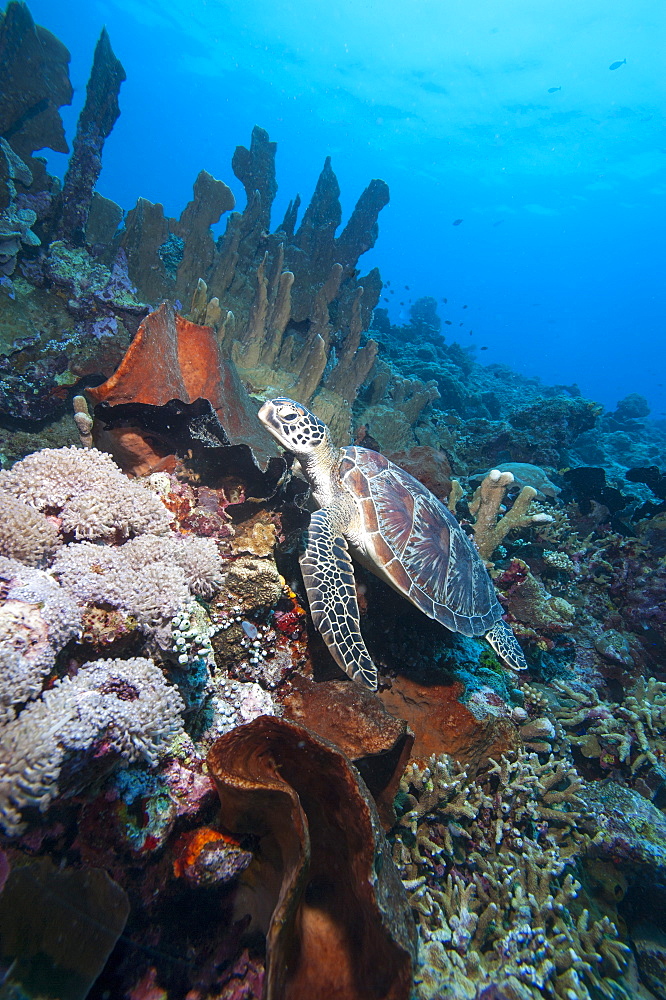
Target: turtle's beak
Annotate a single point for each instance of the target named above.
(266, 414)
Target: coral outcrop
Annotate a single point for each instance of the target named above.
(488, 864)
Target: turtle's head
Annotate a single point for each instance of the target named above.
(292, 424)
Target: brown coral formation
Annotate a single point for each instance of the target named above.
(441, 724)
(338, 924)
(354, 720)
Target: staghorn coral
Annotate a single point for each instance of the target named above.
(486, 864)
(84, 487)
(625, 737)
(123, 708)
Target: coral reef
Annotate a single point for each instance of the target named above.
(488, 864)
(151, 611)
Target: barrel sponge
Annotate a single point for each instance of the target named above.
(91, 496)
(25, 534)
(123, 708)
(151, 577)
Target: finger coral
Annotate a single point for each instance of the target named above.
(487, 865)
(489, 528)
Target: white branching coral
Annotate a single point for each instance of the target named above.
(487, 864)
(90, 495)
(125, 706)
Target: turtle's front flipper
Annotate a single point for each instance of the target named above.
(329, 580)
(505, 644)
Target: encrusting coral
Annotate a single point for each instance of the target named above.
(488, 864)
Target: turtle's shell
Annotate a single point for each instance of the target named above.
(417, 545)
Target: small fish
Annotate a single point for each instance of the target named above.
(456, 222)
(391, 292)
(461, 324)
(464, 307)
(484, 348)
(553, 90)
(616, 65)
(406, 288)
(388, 282)
(448, 322)
(402, 303)
(471, 332)
(386, 300)
(445, 301)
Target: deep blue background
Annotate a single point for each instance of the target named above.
(560, 255)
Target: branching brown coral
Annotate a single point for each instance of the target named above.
(288, 306)
(486, 863)
(630, 735)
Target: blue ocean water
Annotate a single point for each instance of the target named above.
(507, 116)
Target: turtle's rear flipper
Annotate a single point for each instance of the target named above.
(505, 644)
(329, 580)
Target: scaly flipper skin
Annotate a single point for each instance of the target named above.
(505, 644)
(329, 580)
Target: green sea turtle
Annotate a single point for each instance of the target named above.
(397, 529)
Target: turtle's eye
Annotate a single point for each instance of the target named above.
(290, 416)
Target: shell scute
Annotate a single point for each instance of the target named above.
(419, 545)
